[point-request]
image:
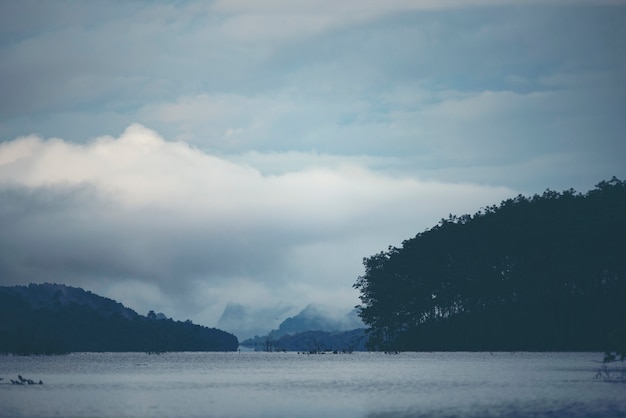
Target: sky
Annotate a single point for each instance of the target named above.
(179, 156)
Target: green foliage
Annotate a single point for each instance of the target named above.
(540, 273)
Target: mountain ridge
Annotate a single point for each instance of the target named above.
(318, 317)
(54, 318)
(315, 328)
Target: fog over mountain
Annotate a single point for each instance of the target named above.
(247, 323)
(318, 317)
(183, 156)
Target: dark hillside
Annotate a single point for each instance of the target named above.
(540, 273)
(51, 318)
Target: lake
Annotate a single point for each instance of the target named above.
(367, 385)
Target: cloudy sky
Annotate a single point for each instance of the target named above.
(178, 156)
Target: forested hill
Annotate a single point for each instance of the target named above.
(53, 318)
(541, 273)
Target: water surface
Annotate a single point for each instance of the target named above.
(302, 385)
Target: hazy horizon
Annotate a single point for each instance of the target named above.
(181, 156)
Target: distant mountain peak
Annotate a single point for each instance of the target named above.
(247, 322)
(319, 317)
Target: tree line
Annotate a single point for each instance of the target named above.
(546, 272)
(56, 328)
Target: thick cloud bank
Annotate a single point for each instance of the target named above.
(523, 93)
(162, 225)
(295, 138)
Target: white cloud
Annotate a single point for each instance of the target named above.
(301, 136)
(139, 212)
(395, 84)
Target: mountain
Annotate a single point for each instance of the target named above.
(541, 273)
(246, 322)
(316, 327)
(316, 317)
(56, 296)
(54, 318)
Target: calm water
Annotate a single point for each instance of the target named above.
(295, 385)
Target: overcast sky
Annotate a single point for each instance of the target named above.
(178, 156)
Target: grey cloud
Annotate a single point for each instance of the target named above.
(137, 214)
(307, 139)
(66, 232)
(142, 56)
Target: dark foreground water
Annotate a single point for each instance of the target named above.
(296, 385)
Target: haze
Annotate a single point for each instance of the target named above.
(180, 156)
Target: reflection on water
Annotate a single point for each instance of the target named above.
(294, 385)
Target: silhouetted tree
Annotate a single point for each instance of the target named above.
(540, 273)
